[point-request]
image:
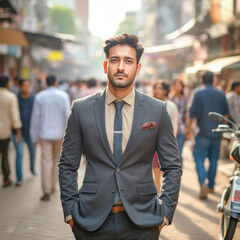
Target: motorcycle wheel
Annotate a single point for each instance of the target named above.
(231, 228)
(228, 224)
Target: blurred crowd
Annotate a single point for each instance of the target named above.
(31, 116)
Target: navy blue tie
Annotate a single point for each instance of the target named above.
(117, 138)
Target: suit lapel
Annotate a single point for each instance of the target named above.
(137, 123)
(99, 111)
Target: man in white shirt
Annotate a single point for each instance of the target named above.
(49, 117)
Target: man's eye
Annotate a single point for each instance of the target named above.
(129, 61)
(113, 60)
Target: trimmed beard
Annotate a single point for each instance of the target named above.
(111, 80)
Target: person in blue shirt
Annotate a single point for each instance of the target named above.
(25, 100)
(207, 144)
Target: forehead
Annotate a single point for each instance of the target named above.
(26, 83)
(122, 51)
(158, 85)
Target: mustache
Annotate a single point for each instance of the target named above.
(122, 73)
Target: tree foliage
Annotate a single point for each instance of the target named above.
(62, 20)
(127, 26)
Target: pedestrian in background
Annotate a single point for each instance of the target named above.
(9, 118)
(91, 89)
(25, 101)
(118, 198)
(15, 85)
(233, 99)
(177, 96)
(50, 112)
(207, 144)
(160, 92)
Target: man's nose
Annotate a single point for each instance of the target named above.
(121, 66)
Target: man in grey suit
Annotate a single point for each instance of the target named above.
(119, 130)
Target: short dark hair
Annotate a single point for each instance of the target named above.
(4, 81)
(207, 77)
(51, 79)
(234, 84)
(164, 85)
(92, 82)
(124, 39)
(22, 80)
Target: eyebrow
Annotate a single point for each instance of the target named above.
(124, 57)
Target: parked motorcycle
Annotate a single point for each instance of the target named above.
(229, 207)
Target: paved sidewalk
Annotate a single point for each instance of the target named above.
(196, 219)
(24, 216)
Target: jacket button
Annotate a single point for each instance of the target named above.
(118, 169)
(113, 190)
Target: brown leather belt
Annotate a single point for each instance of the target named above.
(118, 208)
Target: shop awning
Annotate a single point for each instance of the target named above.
(44, 40)
(186, 27)
(217, 30)
(195, 68)
(12, 37)
(5, 4)
(218, 64)
(233, 66)
(53, 41)
(170, 47)
(192, 27)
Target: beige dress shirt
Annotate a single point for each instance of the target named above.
(9, 113)
(127, 116)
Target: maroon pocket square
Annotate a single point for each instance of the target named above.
(148, 126)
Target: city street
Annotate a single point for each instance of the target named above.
(24, 216)
(182, 52)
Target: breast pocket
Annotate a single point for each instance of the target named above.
(147, 132)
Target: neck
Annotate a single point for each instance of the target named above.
(159, 98)
(236, 92)
(25, 95)
(120, 93)
(177, 95)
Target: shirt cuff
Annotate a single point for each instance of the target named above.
(165, 221)
(69, 217)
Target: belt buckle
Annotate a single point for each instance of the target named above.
(115, 206)
(115, 212)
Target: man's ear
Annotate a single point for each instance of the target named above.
(139, 66)
(105, 66)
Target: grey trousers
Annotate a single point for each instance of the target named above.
(117, 226)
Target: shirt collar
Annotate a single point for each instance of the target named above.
(3, 89)
(51, 87)
(129, 99)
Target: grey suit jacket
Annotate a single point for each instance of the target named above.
(86, 132)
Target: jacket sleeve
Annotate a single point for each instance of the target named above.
(15, 114)
(69, 162)
(171, 166)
